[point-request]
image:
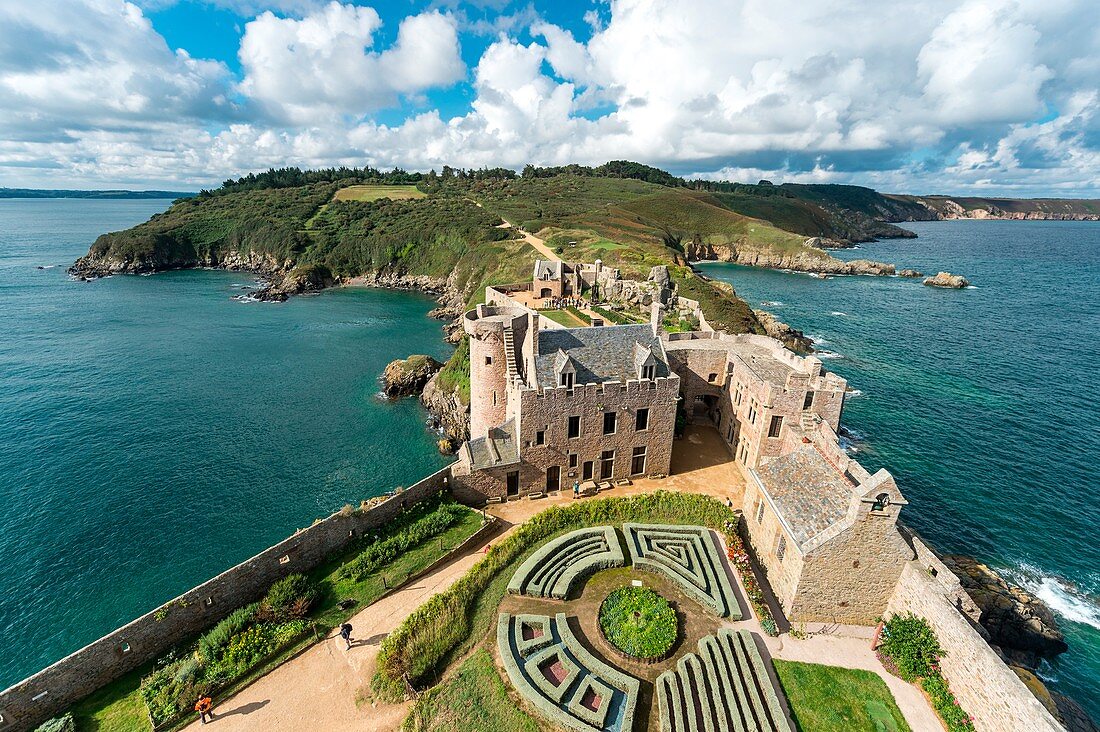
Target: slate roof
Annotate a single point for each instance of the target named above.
(605, 353)
(809, 493)
(500, 447)
(551, 268)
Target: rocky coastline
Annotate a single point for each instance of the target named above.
(822, 264)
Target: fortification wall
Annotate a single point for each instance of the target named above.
(984, 685)
(56, 688)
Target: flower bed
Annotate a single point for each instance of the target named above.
(739, 558)
(638, 622)
(911, 651)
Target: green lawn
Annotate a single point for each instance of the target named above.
(118, 707)
(373, 193)
(832, 699)
(563, 317)
(475, 698)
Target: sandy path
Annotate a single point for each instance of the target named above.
(537, 243)
(318, 689)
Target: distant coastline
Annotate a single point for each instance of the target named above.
(106, 194)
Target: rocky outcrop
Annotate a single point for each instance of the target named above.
(408, 376)
(911, 273)
(790, 337)
(1072, 715)
(824, 242)
(1019, 623)
(447, 413)
(298, 281)
(807, 260)
(948, 280)
(97, 264)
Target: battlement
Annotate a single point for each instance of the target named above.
(662, 386)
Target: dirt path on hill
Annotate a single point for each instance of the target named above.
(537, 243)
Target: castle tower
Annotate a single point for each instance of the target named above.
(496, 334)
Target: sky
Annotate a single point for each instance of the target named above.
(978, 97)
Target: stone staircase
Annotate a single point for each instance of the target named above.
(510, 353)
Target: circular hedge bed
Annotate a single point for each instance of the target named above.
(638, 622)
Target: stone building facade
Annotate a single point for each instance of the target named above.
(550, 407)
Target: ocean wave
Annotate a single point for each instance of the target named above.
(817, 340)
(828, 354)
(853, 393)
(838, 314)
(1066, 599)
(771, 303)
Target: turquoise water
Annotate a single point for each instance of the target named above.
(154, 432)
(982, 402)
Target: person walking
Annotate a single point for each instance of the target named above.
(205, 707)
(345, 633)
(576, 489)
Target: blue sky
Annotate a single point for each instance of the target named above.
(989, 97)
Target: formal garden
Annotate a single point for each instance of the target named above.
(615, 614)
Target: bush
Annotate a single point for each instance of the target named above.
(639, 622)
(911, 644)
(387, 550)
(289, 598)
(58, 724)
(419, 644)
(214, 641)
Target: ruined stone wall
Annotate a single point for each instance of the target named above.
(53, 690)
(984, 685)
(851, 578)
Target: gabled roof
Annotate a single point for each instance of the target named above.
(499, 447)
(548, 269)
(808, 493)
(606, 353)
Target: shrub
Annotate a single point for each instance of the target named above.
(58, 724)
(909, 641)
(214, 641)
(639, 622)
(289, 598)
(387, 550)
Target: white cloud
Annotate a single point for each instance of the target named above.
(955, 95)
(320, 66)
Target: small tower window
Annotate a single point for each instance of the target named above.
(712, 378)
(567, 379)
(809, 402)
(488, 360)
(648, 372)
(781, 548)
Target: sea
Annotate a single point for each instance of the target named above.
(982, 402)
(155, 431)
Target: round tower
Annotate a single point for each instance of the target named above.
(491, 340)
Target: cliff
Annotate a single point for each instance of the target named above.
(814, 261)
(408, 376)
(1009, 209)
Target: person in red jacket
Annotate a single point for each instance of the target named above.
(205, 707)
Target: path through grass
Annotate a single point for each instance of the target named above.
(373, 193)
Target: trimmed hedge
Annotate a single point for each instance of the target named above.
(726, 673)
(416, 647)
(556, 567)
(696, 567)
(639, 622)
(562, 704)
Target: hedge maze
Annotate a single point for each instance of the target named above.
(687, 556)
(572, 688)
(723, 688)
(554, 569)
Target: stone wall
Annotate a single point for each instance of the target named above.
(56, 688)
(984, 685)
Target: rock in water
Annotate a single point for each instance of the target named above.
(790, 337)
(912, 273)
(946, 279)
(407, 376)
(1018, 622)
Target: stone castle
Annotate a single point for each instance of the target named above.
(555, 407)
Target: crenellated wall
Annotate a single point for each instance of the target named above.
(56, 688)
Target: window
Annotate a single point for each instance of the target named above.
(494, 397)
(573, 460)
(488, 360)
(737, 394)
(540, 437)
(609, 423)
(649, 372)
(752, 411)
(574, 426)
(567, 380)
(586, 470)
(641, 419)
(607, 464)
(781, 547)
(759, 510)
(637, 461)
(712, 378)
(729, 433)
(809, 400)
(775, 426)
